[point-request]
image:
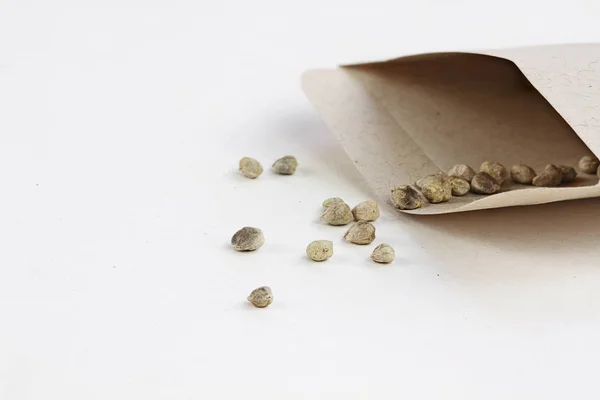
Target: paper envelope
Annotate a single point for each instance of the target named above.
(402, 119)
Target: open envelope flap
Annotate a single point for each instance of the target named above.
(403, 119)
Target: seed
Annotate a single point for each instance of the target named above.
(436, 189)
(406, 198)
(338, 213)
(459, 186)
(331, 200)
(598, 172)
(261, 297)
(496, 170)
(483, 183)
(319, 250)
(423, 181)
(362, 232)
(250, 168)
(589, 164)
(522, 173)
(384, 253)
(285, 165)
(568, 173)
(247, 239)
(366, 211)
(550, 176)
(462, 171)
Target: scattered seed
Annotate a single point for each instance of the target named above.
(496, 170)
(459, 186)
(522, 173)
(436, 190)
(261, 297)
(568, 173)
(462, 171)
(319, 250)
(247, 239)
(250, 168)
(384, 253)
(589, 164)
(550, 176)
(406, 198)
(338, 213)
(362, 232)
(331, 200)
(285, 165)
(484, 183)
(366, 211)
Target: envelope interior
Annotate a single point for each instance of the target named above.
(410, 117)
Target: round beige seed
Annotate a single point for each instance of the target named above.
(261, 297)
(522, 173)
(459, 186)
(247, 239)
(366, 211)
(483, 183)
(496, 170)
(568, 173)
(423, 181)
(384, 253)
(319, 250)
(338, 213)
(250, 168)
(462, 171)
(362, 232)
(332, 200)
(436, 190)
(285, 165)
(589, 164)
(405, 198)
(550, 176)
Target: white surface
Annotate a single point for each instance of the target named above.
(121, 124)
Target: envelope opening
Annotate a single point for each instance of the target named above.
(413, 116)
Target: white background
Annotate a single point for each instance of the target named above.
(121, 125)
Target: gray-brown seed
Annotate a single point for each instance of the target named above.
(250, 168)
(550, 176)
(462, 171)
(366, 211)
(598, 172)
(589, 164)
(459, 186)
(285, 165)
(338, 213)
(361, 232)
(406, 198)
(319, 250)
(436, 190)
(568, 173)
(521, 173)
(384, 253)
(247, 239)
(261, 297)
(496, 171)
(332, 200)
(484, 183)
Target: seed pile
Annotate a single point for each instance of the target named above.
(491, 178)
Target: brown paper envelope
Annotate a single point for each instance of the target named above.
(406, 118)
